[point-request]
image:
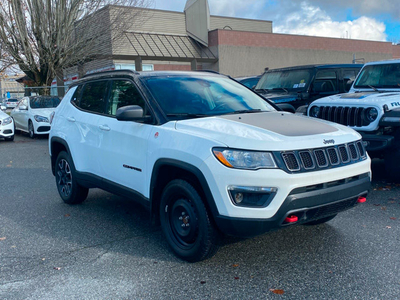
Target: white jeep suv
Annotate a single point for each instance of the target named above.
(204, 154)
(372, 107)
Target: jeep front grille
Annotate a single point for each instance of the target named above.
(323, 158)
(349, 116)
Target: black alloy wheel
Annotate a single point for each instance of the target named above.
(68, 188)
(186, 223)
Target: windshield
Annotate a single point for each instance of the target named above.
(183, 96)
(44, 102)
(289, 80)
(379, 76)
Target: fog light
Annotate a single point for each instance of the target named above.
(251, 196)
(238, 198)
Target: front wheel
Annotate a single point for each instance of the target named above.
(68, 188)
(186, 223)
(31, 130)
(9, 138)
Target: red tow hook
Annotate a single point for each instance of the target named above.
(361, 199)
(291, 219)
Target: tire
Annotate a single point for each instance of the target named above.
(10, 138)
(392, 159)
(68, 188)
(186, 222)
(320, 221)
(31, 130)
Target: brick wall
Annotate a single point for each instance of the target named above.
(396, 51)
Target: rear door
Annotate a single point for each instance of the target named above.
(82, 129)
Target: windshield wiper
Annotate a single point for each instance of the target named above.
(262, 90)
(244, 111)
(280, 89)
(187, 115)
(374, 88)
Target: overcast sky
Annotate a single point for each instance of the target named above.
(377, 20)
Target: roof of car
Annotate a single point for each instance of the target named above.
(319, 66)
(382, 62)
(118, 73)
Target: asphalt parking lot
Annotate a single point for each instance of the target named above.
(106, 247)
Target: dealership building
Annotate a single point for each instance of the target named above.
(194, 39)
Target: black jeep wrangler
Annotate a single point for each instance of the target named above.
(301, 85)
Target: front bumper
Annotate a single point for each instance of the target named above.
(7, 130)
(308, 204)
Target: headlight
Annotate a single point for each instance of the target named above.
(41, 119)
(242, 159)
(371, 114)
(7, 121)
(314, 111)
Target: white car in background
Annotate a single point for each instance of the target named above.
(32, 114)
(6, 127)
(10, 103)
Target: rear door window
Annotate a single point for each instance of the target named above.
(93, 97)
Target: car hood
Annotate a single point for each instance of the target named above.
(268, 131)
(45, 112)
(367, 98)
(3, 115)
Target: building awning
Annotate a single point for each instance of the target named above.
(153, 46)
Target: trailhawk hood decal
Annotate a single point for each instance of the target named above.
(253, 131)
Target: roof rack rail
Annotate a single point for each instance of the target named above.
(209, 71)
(111, 71)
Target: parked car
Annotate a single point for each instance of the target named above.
(301, 85)
(6, 127)
(204, 154)
(372, 107)
(32, 114)
(10, 103)
(249, 81)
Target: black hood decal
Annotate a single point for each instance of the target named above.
(283, 123)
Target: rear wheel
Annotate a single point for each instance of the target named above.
(320, 221)
(68, 188)
(186, 223)
(31, 129)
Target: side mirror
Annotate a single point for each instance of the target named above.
(131, 113)
(286, 107)
(23, 107)
(2, 107)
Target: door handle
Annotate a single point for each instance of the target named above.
(71, 119)
(104, 127)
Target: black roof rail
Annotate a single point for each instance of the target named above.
(111, 71)
(209, 71)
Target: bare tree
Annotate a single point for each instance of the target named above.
(43, 37)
